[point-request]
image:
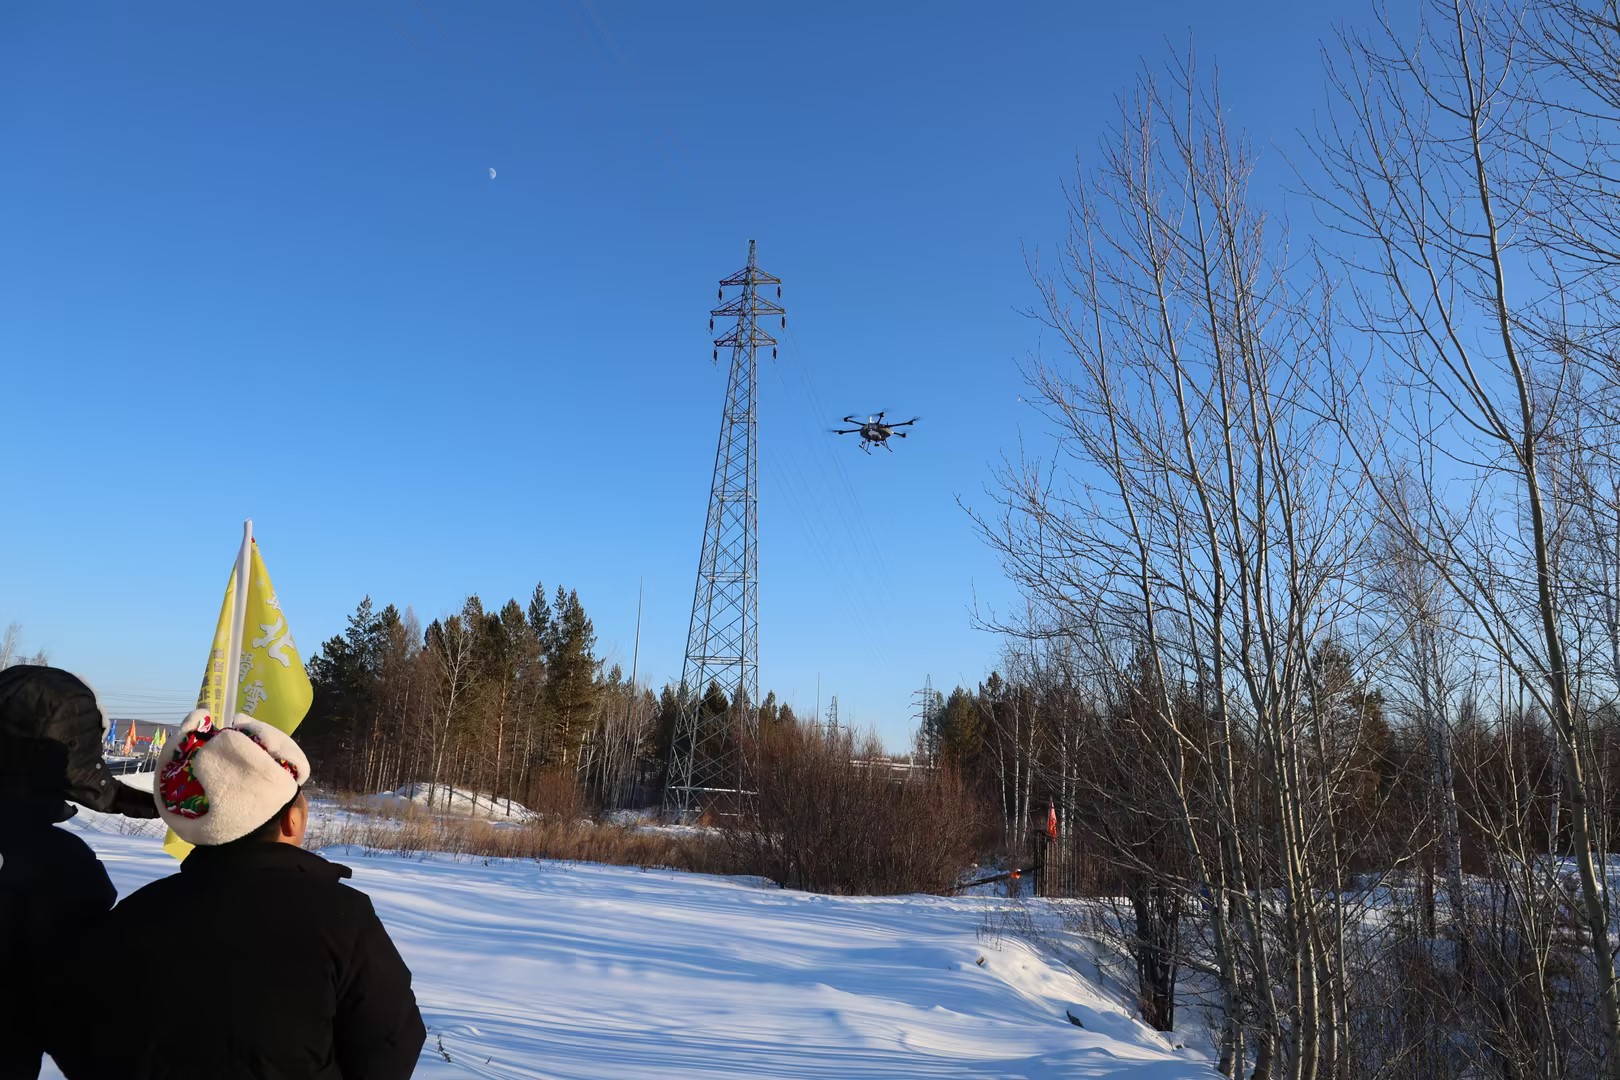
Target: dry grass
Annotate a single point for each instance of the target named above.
(411, 831)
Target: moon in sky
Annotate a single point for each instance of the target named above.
(492, 174)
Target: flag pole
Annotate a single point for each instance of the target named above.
(233, 656)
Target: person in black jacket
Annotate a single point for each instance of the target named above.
(52, 886)
(267, 964)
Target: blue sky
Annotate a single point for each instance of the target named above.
(254, 265)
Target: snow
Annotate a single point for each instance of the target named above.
(447, 800)
(565, 970)
(140, 780)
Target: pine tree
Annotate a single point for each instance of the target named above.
(961, 732)
(525, 675)
(391, 744)
(540, 614)
(344, 673)
(655, 760)
(571, 668)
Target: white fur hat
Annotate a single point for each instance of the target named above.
(217, 784)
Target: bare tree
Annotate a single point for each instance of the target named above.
(1439, 158)
(452, 651)
(1196, 518)
(1428, 666)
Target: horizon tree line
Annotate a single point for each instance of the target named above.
(512, 703)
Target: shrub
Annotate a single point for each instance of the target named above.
(830, 820)
(557, 795)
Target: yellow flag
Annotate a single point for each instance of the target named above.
(272, 685)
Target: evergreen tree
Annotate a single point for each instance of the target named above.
(540, 615)
(655, 761)
(714, 718)
(344, 675)
(498, 671)
(571, 669)
(960, 731)
(529, 690)
(1351, 728)
(392, 746)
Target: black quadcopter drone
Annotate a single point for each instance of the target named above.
(875, 431)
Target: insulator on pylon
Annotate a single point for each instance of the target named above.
(773, 352)
(784, 322)
(711, 326)
(779, 292)
(717, 355)
(719, 294)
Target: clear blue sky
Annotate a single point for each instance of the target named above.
(253, 264)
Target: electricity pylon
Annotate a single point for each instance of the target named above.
(711, 754)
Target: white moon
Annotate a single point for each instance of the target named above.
(492, 174)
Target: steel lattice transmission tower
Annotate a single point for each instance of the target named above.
(709, 755)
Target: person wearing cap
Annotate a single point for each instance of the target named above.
(267, 964)
(52, 886)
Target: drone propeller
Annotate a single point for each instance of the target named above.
(843, 431)
(904, 423)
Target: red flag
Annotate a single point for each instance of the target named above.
(1051, 820)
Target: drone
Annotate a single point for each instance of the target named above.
(875, 431)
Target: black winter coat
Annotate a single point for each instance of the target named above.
(52, 892)
(52, 887)
(266, 966)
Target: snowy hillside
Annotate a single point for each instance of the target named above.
(528, 969)
(447, 800)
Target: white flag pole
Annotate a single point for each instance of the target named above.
(233, 656)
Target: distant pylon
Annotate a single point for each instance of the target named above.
(710, 760)
(925, 702)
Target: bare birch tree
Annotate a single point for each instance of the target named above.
(1196, 518)
(1441, 162)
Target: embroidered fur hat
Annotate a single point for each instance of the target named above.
(217, 784)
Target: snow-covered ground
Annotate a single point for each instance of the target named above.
(448, 800)
(528, 969)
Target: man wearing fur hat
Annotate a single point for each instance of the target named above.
(52, 887)
(267, 964)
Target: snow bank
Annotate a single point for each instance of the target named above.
(649, 821)
(448, 800)
(141, 781)
(567, 970)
